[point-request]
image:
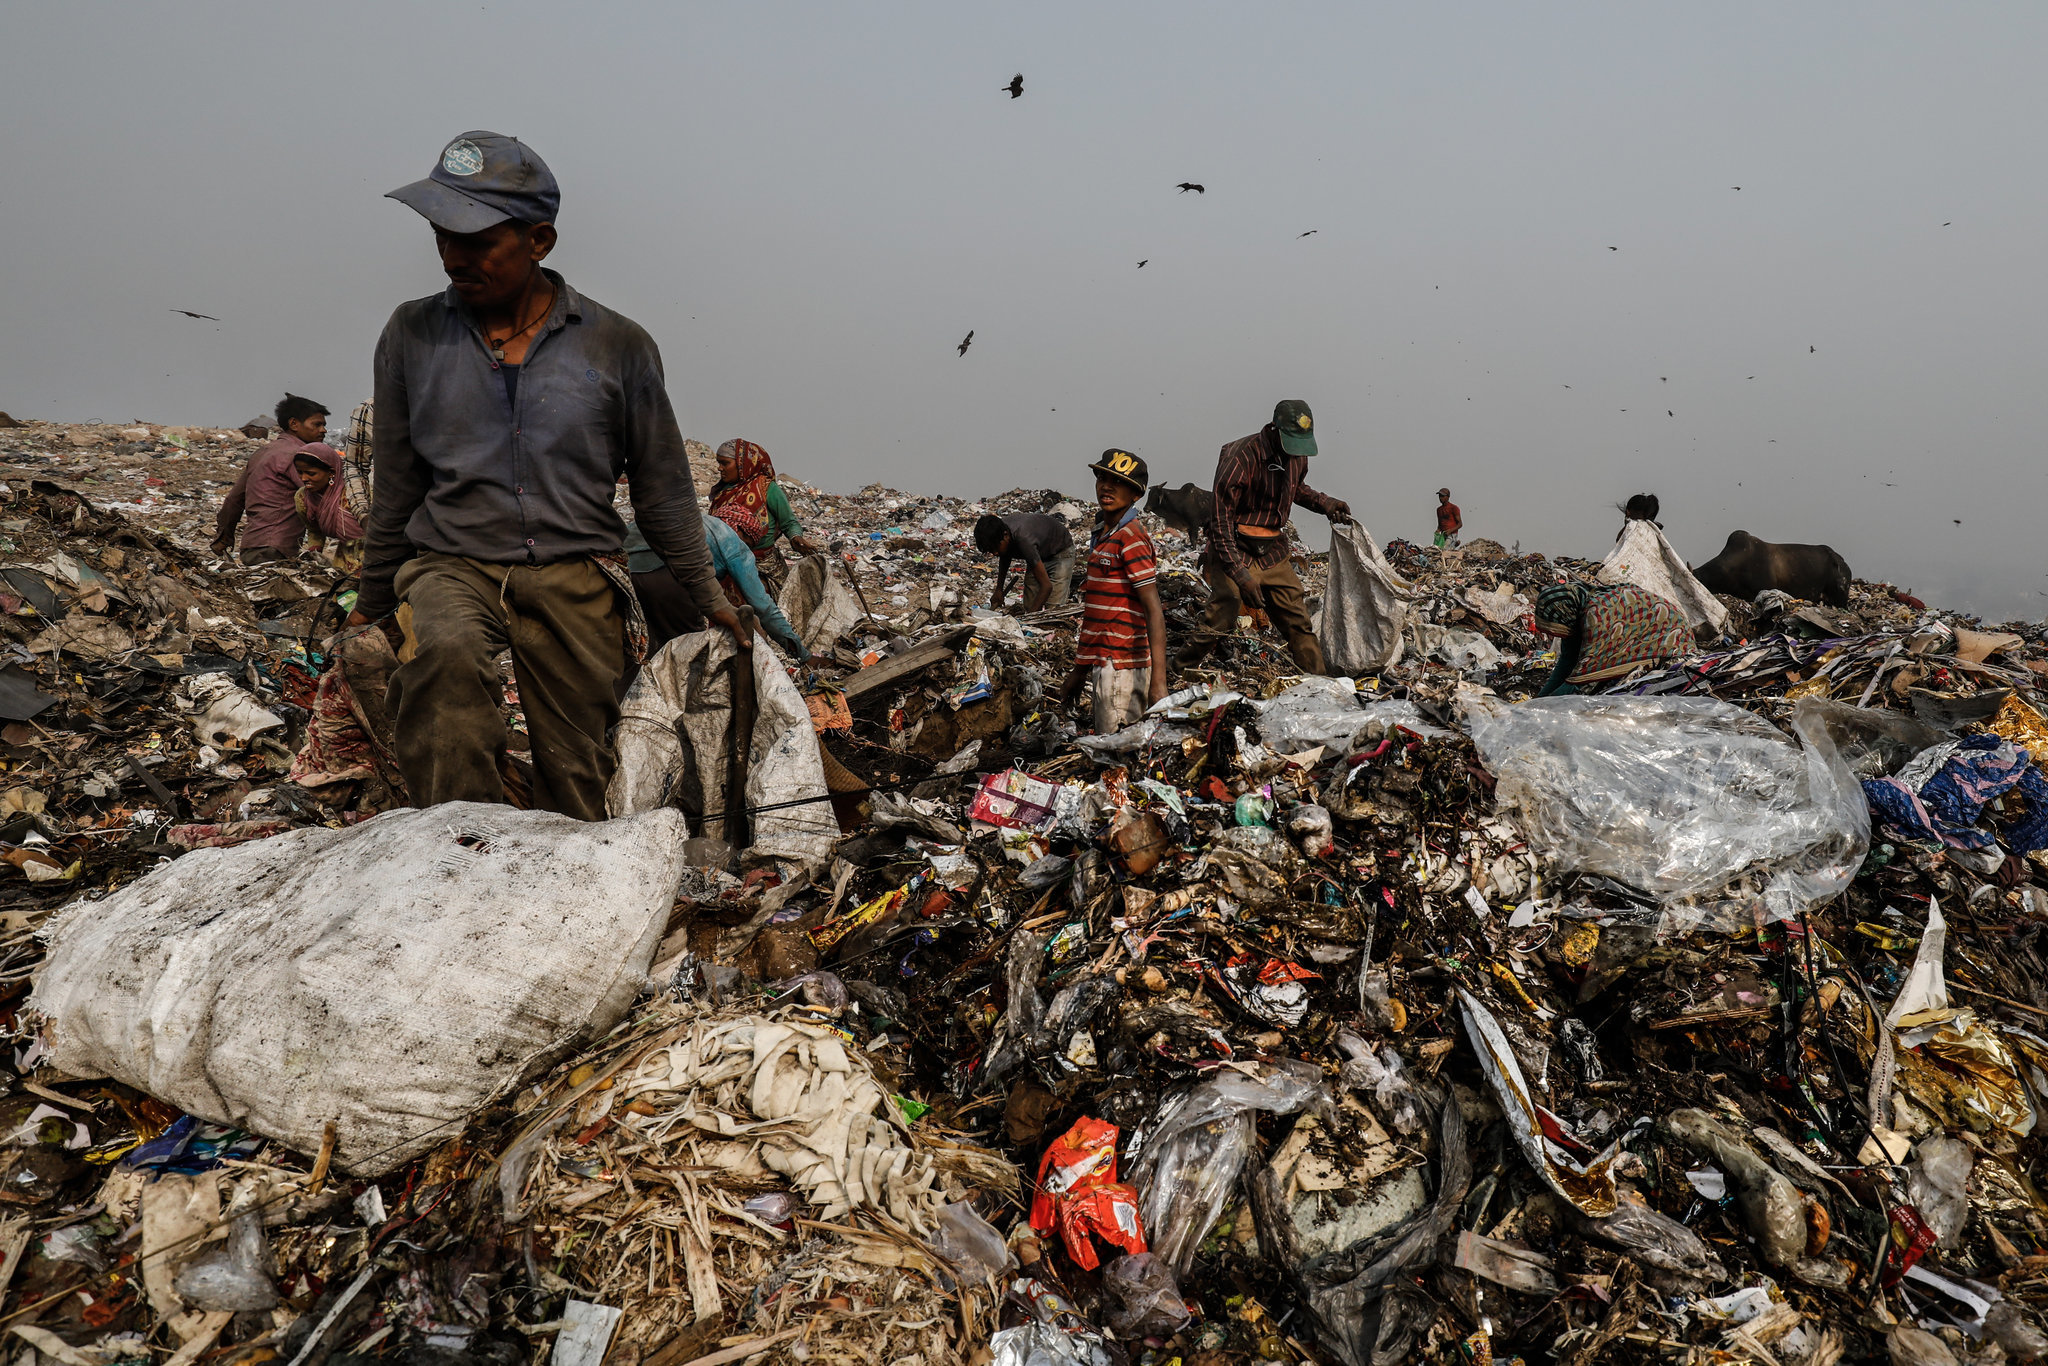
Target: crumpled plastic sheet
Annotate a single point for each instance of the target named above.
(1041, 1344)
(1190, 1155)
(1326, 711)
(1573, 1171)
(1365, 605)
(1680, 798)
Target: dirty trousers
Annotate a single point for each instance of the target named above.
(567, 635)
(1119, 696)
(1285, 604)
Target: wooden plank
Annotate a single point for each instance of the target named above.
(906, 664)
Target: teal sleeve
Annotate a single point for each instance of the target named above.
(1567, 660)
(751, 588)
(781, 521)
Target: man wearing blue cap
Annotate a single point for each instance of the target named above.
(507, 408)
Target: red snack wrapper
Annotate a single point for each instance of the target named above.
(1910, 1239)
(1080, 1197)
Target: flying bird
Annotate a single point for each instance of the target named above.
(1734, 187)
(967, 341)
(1016, 85)
(1945, 225)
(1187, 185)
(1669, 413)
(1614, 248)
(204, 317)
(1141, 264)
(1811, 349)
(1310, 233)
(1665, 378)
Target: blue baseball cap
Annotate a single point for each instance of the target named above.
(483, 179)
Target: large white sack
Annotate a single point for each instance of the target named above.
(1644, 558)
(391, 978)
(1364, 605)
(818, 603)
(675, 745)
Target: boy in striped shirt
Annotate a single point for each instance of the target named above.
(1123, 628)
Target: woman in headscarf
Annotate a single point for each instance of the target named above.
(1607, 633)
(749, 500)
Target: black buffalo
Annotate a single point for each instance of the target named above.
(1187, 509)
(1746, 567)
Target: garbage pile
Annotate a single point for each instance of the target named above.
(1382, 1018)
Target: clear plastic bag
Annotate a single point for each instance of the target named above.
(1937, 1184)
(1147, 1297)
(971, 1243)
(1188, 1159)
(1659, 1241)
(1683, 798)
(1912, 1346)
(1326, 711)
(232, 1276)
(1766, 1198)
(1380, 1074)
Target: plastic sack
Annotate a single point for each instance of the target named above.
(1911, 1346)
(818, 604)
(1148, 1301)
(393, 977)
(675, 746)
(1644, 558)
(1364, 606)
(1196, 1145)
(1587, 1181)
(1326, 711)
(227, 715)
(1678, 797)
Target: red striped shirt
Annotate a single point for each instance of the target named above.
(1113, 629)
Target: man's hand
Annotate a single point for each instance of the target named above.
(1249, 591)
(1155, 690)
(1340, 511)
(730, 620)
(804, 545)
(222, 546)
(1071, 689)
(358, 618)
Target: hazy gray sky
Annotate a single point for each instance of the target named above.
(808, 206)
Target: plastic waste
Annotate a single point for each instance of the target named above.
(232, 1276)
(1644, 558)
(1586, 1181)
(1659, 1241)
(971, 1243)
(1770, 1204)
(1380, 1076)
(1468, 652)
(776, 1207)
(1937, 1183)
(1678, 797)
(1041, 1344)
(1503, 1263)
(277, 985)
(821, 989)
(1312, 830)
(1147, 1298)
(1364, 606)
(1326, 711)
(1080, 1197)
(1190, 1154)
(225, 714)
(2010, 1328)
(1911, 1346)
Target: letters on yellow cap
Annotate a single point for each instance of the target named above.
(1122, 462)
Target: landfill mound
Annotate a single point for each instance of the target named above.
(1373, 1020)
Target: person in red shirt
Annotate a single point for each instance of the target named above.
(1123, 627)
(1449, 521)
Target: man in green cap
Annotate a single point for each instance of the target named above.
(1258, 481)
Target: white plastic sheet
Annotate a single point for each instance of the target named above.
(393, 977)
(818, 603)
(1644, 558)
(1705, 806)
(675, 745)
(1327, 711)
(1364, 606)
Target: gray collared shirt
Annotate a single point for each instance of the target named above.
(464, 471)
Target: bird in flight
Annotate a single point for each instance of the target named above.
(1016, 85)
(1141, 264)
(1187, 185)
(1811, 349)
(1310, 233)
(1734, 187)
(967, 341)
(1669, 413)
(204, 317)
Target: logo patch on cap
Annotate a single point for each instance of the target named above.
(1122, 462)
(1302, 422)
(462, 157)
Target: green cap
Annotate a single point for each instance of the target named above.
(1296, 426)
(1123, 466)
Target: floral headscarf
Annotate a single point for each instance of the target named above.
(1562, 604)
(742, 502)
